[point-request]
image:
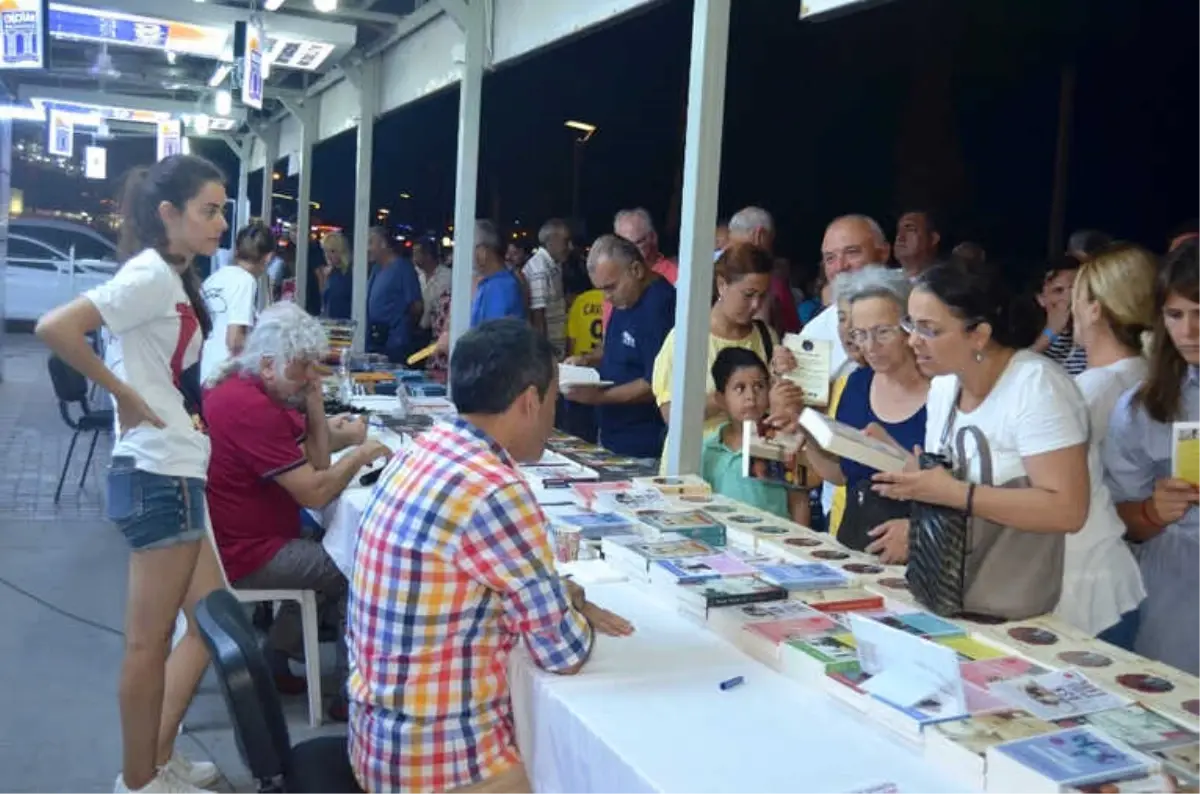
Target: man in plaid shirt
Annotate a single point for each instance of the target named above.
(453, 567)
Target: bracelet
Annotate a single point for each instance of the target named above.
(1053, 337)
(970, 499)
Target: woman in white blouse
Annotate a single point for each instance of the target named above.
(1113, 306)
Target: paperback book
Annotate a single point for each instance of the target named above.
(1056, 695)
(804, 576)
(843, 441)
(774, 457)
(1063, 760)
(729, 592)
(1137, 726)
(960, 746)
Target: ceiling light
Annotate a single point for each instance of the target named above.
(200, 124)
(325, 6)
(223, 103)
(272, 5)
(219, 75)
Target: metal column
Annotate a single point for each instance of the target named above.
(366, 79)
(701, 181)
(243, 186)
(307, 116)
(5, 198)
(269, 135)
(474, 24)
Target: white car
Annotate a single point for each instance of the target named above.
(38, 277)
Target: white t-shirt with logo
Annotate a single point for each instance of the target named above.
(155, 340)
(231, 297)
(1035, 408)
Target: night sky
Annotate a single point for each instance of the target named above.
(938, 103)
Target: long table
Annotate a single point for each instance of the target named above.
(646, 713)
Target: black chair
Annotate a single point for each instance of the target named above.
(71, 387)
(317, 765)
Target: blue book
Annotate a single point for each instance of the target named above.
(1061, 760)
(922, 624)
(803, 576)
(594, 526)
(688, 571)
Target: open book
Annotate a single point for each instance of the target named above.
(838, 438)
(571, 375)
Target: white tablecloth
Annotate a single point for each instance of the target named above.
(646, 713)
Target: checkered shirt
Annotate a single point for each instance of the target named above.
(452, 567)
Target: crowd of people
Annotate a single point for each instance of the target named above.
(1074, 387)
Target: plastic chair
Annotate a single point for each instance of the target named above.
(317, 765)
(71, 387)
(309, 625)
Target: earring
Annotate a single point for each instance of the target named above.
(979, 356)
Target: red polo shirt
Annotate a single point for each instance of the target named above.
(254, 440)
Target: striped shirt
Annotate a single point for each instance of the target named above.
(545, 279)
(452, 568)
(1064, 350)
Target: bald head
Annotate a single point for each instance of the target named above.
(851, 243)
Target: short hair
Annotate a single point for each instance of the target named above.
(1059, 264)
(933, 220)
(495, 362)
(730, 360)
(254, 240)
(743, 259)
(876, 281)
(550, 227)
(488, 236)
(640, 213)
(614, 247)
(872, 224)
(385, 238)
(1088, 242)
(284, 333)
(746, 220)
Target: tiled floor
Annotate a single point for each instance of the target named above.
(62, 590)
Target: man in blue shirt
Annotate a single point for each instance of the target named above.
(393, 299)
(497, 292)
(643, 314)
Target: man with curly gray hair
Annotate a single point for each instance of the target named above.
(271, 459)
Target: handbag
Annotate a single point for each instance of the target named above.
(864, 511)
(969, 566)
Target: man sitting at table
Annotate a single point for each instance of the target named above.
(452, 569)
(271, 446)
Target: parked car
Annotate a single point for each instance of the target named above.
(38, 276)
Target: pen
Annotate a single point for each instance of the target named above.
(737, 680)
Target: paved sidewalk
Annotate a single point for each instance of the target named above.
(62, 591)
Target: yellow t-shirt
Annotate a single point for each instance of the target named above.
(584, 327)
(664, 368)
(838, 507)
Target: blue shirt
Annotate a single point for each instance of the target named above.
(854, 408)
(391, 289)
(497, 296)
(339, 288)
(631, 343)
(1137, 453)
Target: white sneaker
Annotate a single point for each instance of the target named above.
(194, 773)
(163, 783)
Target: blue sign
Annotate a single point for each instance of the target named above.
(22, 45)
(78, 24)
(62, 135)
(252, 68)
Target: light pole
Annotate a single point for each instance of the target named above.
(587, 131)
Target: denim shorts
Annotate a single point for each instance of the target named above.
(154, 511)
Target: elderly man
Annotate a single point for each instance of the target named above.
(544, 274)
(643, 314)
(394, 305)
(498, 293)
(453, 569)
(271, 448)
(637, 227)
(917, 239)
(755, 225)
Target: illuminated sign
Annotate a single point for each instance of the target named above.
(114, 27)
(62, 134)
(22, 34)
(252, 68)
(83, 115)
(307, 55)
(170, 138)
(95, 162)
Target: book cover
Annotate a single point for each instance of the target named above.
(1137, 726)
(728, 565)
(841, 599)
(668, 549)
(767, 611)
(1181, 762)
(588, 491)
(678, 521)
(835, 647)
(1075, 756)
(1159, 686)
(774, 457)
(803, 576)
(1056, 695)
(979, 732)
(733, 590)
(632, 500)
(788, 629)
(1185, 452)
(594, 526)
(922, 624)
(970, 649)
(678, 485)
(844, 441)
(688, 570)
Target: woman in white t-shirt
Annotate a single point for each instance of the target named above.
(1112, 306)
(969, 332)
(231, 296)
(172, 213)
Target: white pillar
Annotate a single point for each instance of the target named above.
(5, 196)
(269, 136)
(243, 185)
(467, 180)
(307, 116)
(367, 81)
(701, 181)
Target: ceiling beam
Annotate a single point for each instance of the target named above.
(27, 92)
(352, 14)
(339, 34)
(157, 84)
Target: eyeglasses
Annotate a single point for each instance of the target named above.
(925, 332)
(880, 334)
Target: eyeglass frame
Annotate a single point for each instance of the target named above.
(907, 325)
(859, 336)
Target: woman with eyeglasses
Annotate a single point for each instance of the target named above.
(1159, 508)
(889, 394)
(972, 335)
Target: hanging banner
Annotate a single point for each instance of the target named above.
(62, 134)
(170, 138)
(252, 68)
(95, 162)
(22, 34)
